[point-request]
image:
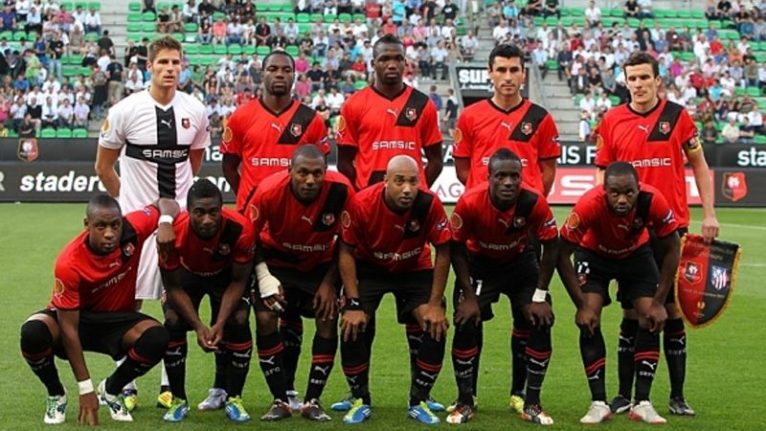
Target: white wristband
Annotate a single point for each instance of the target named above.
(539, 295)
(85, 386)
(165, 219)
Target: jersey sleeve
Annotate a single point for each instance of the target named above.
(460, 221)
(350, 197)
(438, 223)
(688, 133)
(112, 135)
(604, 153)
(172, 260)
(662, 216)
(430, 133)
(257, 210)
(144, 221)
(202, 137)
(543, 221)
(317, 134)
(231, 139)
(463, 138)
(346, 125)
(66, 287)
(351, 223)
(549, 147)
(577, 222)
(244, 249)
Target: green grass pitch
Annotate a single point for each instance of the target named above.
(724, 381)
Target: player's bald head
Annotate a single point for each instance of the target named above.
(308, 152)
(102, 201)
(402, 164)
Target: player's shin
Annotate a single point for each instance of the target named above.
(270, 358)
(414, 334)
(593, 352)
(519, 336)
(239, 345)
(674, 343)
(37, 349)
(322, 361)
(428, 364)
(291, 330)
(626, 348)
(147, 351)
(646, 358)
(355, 359)
(464, 357)
(538, 353)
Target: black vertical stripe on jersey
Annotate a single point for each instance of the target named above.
(413, 109)
(228, 240)
(333, 204)
(525, 203)
(297, 126)
(418, 215)
(669, 115)
(533, 117)
(167, 137)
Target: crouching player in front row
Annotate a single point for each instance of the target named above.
(93, 309)
(213, 255)
(607, 232)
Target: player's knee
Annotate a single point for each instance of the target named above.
(239, 318)
(174, 324)
(153, 342)
(327, 328)
(672, 310)
(266, 322)
(35, 336)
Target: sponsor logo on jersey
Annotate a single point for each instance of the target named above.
(340, 124)
(185, 123)
(655, 162)
(394, 145)
(519, 222)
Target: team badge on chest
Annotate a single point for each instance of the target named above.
(296, 130)
(411, 114)
(328, 219)
(185, 123)
(664, 127)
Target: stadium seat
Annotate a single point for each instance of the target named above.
(19, 35)
(287, 7)
(235, 49)
(48, 133)
(292, 50)
(64, 133)
(191, 49)
(219, 49)
(206, 49)
(86, 71)
(684, 13)
(328, 19)
(134, 17)
(134, 27)
(360, 16)
(249, 49)
(263, 50)
(12, 133)
(94, 5)
(753, 91)
(178, 36)
(148, 27)
(345, 17)
(219, 15)
(302, 17)
(273, 7)
(134, 6)
(360, 84)
(149, 17)
(70, 71)
(80, 133)
(552, 64)
(739, 91)
(163, 5)
(759, 139)
(261, 7)
(190, 27)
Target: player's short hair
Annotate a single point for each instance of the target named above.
(278, 52)
(101, 200)
(501, 155)
(309, 151)
(616, 169)
(506, 50)
(201, 189)
(165, 42)
(388, 39)
(640, 57)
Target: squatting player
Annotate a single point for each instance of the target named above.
(607, 231)
(386, 119)
(297, 214)
(213, 256)
(657, 137)
(159, 137)
(259, 140)
(507, 120)
(93, 308)
(492, 230)
(385, 249)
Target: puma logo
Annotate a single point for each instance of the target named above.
(680, 340)
(506, 125)
(269, 360)
(596, 376)
(400, 227)
(462, 362)
(651, 365)
(307, 220)
(168, 123)
(208, 250)
(542, 364)
(391, 111)
(431, 377)
(645, 129)
(323, 370)
(113, 264)
(276, 127)
(503, 222)
(174, 352)
(622, 226)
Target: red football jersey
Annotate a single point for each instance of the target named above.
(265, 141)
(293, 234)
(594, 226)
(396, 242)
(501, 235)
(234, 242)
(381, 128)
(528, 130)
(90, 282)
(655, 143)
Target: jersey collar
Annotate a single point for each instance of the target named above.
(647, 113)
(404, 88)
(263, 105)
(494, 105)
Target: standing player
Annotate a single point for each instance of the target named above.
(213, 256)
(159, 137)
(656, 136)
(385, 249)
(93, 308)
(607, 231)
(296, 215)
(506, 120)
(259, 140)
(386, 119)
(493, 226)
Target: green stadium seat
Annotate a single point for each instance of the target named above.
(86, 71)
(262, 50)
(94, 5)
(134, 37)
(82, 4)
(567, 21)
(67, 5)
(633, 22)
(552, 64)
(163, 5)
(345, 17)
(80, 133)
(12, 133)
(70, 71)
(292, 50)
(64, 133)
(219, 15)
(616, 12)
(329, 19)
(671, 13)
(248, 49)
(759, 139)
(360, 84)
(360, 16)
(19, 35)
(287, 7)
(148, 27)
(134, 27)
(316, 16)
(7, 35)
(753, 91)
(235, 49)
(206, 49)
(660, 13)
(615, 100)
(134, 17)
(134, 6)
(191, 49)
(302, 17)
(219, 49)
(698, 13)
(687, 56)
(261, 7)
(539, 20)
(148, 17)
(178, 36)
(552, 20)
(190, 27)
(684, 13)
(48, 133)
(274, 7)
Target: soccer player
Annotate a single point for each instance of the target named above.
(297, 216)
(159, 137)
(386, 119)
(607, 232)
(93, 308)
(259, 140)
(213, 256)
(657, 137)
(384, 248)
(492, 230)
(507, 120)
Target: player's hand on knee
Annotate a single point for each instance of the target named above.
(276, 302)
(587, 319)
(215, 336)
(203, 339)
(540, 314)
(88, 409)
(325, 302)
(466, 311)
(353, 323)
(435, 321)
(656, 315)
